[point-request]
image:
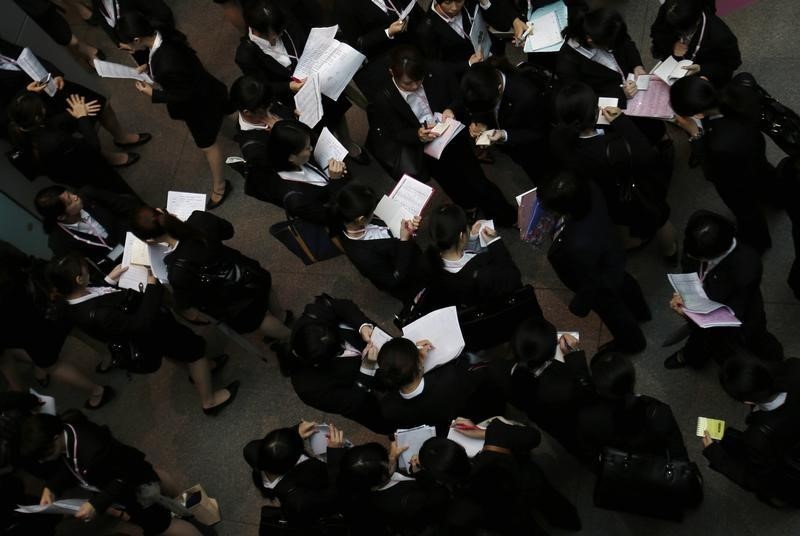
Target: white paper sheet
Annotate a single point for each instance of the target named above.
(604, 102)
(49, 406)
(692, 292)
(308, 101)
(319, 439)
(435, 148)
(546, 33)
(135, 277)
(28, 62)
(157, 252)
(327, 148)
(314, 53)
(182, 204)
(642, 81)
(335, 62)
(62, 507)
(442, 329)
(479, 34)
(412, 194)
(484, 140)
(107, 69)
(487, 224)
(671, 69)
(139, 253)
(559, 354)
(472, 445)
(392, 213)
(379, 337)
(414, 438)
(407, 11)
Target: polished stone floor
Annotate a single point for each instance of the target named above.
(160, 414)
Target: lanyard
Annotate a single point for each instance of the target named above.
(100, 244)
(390, 5)
(700, 39)
(318, 171)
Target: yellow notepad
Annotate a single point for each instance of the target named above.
(715, 427)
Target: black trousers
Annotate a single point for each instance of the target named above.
(721, 343)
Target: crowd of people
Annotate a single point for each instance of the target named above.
(601, 175)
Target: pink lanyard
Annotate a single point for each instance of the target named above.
(102, 242)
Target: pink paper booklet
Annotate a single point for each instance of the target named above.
(652, 102)
(718, 318)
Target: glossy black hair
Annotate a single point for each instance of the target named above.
(605, 27)
(50, 206)
(480, 87)
(265, 17)
(683, 15)
(62, 272)
(613, 375)
(363, 468)
(534, 342)
(353, 201)
(408, 60)
(708, 235)
(315, 343)
(445, 460)
(398, 362)
(746, 378)
(566, 194)
(576, 110)
(26, 114)
(692, 95)
(288, 137)
(279, 451)
(249, 93)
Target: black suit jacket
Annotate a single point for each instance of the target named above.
(186, 87)
(755, 460)
(718, 56)
(573, 67)
(113, 467)
(123, 314)
(487, 275)
(587, 254)
(392, 265)
(363, 24)
(157, 12)
(111, 210)
(339, 386)
(12, 82)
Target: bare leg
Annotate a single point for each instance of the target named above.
(666, 239)
(68, 374)
(200, 371)
(8, 367)
(179, 527)
(109, 121)
(115, 158)
(216, 162)
(275, 307)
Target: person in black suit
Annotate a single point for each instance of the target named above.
(13, 81)
(689, 30)
(590, 261)
(107, 13)
(91, 222)
(91, 456)
(331, 361)
(730, 272)
(502, 100)
(394, 264)
(549, 391)
(125, 317)
(65, 147)
(436, 397)
(190, 92)
(32, 323)
(731, 150)
(506, 485)
(283, 470)
(206, 274)
(376, 498)
(600, 53)
(762, 458)
(466, 272)
(401, 117)
(614, 158)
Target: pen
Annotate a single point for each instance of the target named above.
(459, 426)
(527, 32)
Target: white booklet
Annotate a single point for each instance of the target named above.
(605, 102)
(670, 69)
(28, 62)
(392, 213)
(67, 507)
(471, 444)
(435, 148)
(137, 259)
(308, 101)
(414, 438)
(546, 33)
(328, 147)
(701, 310)
(442, 329)
(487, 224)
(642, 81)
(107, 69)
(182, 204)
(479, 34)
(379, 337)
(559, 354)
(334, 61)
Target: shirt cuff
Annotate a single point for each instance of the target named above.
(111, 281)
(503, 136)
(493, 240)
(367, 371)
(387, 34)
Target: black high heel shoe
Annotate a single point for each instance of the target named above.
(232, 388)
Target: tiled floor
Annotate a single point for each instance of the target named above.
(159, 413)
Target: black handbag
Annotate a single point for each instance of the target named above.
(494, 321)
(647, 484)
(310, 242)
(779, 122)
(274, 523)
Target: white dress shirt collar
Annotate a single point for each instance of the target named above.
(307, 175)
(456, 23)
(270, 484)
(245, 125)
(277, 52)
(416, 392)
(773, 404)
(94, 292)
(372, 232)
(157, 42)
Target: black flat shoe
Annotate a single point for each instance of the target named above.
(219, 362)
(232, 388)
(108, 394)
(144, 137)
(132, 159)
(211, 205)
(675, 361)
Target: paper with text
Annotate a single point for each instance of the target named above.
(559, 354)
(471, 444)
(562, 15)
(107, 69)
(715, 428)
(412, 194)
(546, 33)
(327, 148)
(182, 204)
(653, 103)
(487, 224)
(413, 438)
(29, 63)
(308, 101)
(334, 61)
(697, 306)
(66, 507)
(605, 102)
(135, 277)
(442, 329)
(479, 34)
